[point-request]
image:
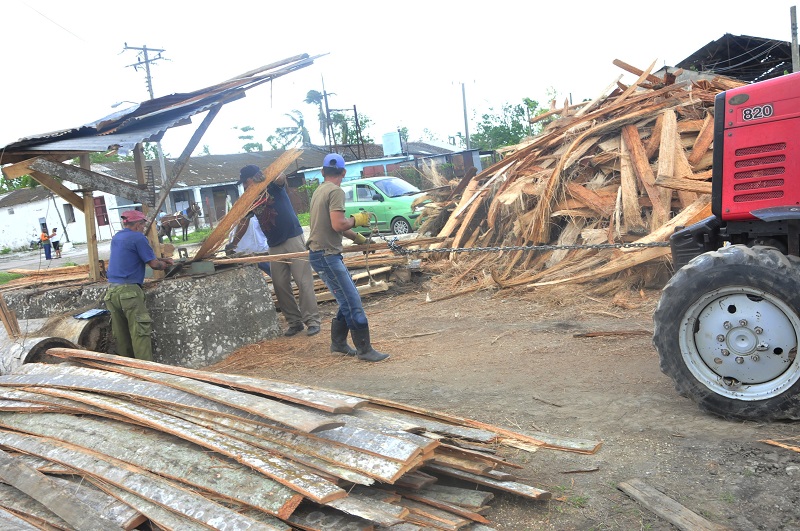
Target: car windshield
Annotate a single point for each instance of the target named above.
(394, 187)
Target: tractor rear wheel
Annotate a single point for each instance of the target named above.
(727, 329)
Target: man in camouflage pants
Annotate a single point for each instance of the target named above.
(130, 322)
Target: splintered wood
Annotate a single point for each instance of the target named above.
(620, 169)
(186, 449)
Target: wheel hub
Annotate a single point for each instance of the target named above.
(745, 339)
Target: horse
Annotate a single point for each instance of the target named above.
(178, 220)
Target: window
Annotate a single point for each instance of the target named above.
(69, 213)
(348, 193)
(100, 211)
(364, 192)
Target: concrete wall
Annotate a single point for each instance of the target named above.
(197, 320)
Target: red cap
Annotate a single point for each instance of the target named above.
(132, 215)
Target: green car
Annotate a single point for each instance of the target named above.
(388, 198)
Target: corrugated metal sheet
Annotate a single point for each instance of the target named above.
(148, 120)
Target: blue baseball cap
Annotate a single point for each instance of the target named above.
(333, 160)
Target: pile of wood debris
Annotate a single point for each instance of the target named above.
(626, 168)
(102, 442)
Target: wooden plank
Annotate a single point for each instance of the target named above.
(633, 70)
(436, 426)
(162, 517)
(44, 377)
(324, 400)
(667, 508)
(450, 520)
(467, 498)
(517, 488)
(642, 170)
(703, 141)
(60, 190)
(282, 471)
(700, 187)
(9, 520)
(90, 180)
(374, 442)
(337, 461)
(131, 478)
(447, 506)
(164, 455)
(327, 519)
(126, 516)
(385, 514)
(286, 414)
(590, 199)
(31, 510)
(42, 489)
(9, 320)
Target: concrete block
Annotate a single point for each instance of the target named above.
(197, 320)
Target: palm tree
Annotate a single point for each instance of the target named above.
(315, 97)
(296, 134)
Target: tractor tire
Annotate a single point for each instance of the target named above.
(726, 330)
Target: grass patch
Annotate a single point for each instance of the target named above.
(5, 250)
(8, 277)
(197, 236)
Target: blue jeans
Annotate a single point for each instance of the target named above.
(334, 274)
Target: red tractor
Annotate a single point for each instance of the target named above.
(728, 322)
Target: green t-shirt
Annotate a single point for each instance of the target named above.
(327, 198)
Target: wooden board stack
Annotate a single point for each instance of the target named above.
(106, 442)
(627, 167)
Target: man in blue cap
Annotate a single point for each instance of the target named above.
(328, 225)
(130, 321)
(279, 223)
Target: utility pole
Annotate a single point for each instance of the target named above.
(328, 124)
(466, 123)
(795, 54)
(144, 61)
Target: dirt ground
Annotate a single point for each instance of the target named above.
(513, 361)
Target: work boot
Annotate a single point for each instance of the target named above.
(294, 329)
(339, 344)
(364, 348)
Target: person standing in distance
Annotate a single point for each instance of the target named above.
(328, 225)
(55, 239)
(279, 223)
(130, 321)
(45, 239)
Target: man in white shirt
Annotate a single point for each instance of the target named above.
(253, 241)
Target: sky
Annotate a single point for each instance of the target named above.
(402, 64)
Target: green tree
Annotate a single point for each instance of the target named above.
(250, 145)
(9, 185)
(344, 128)
(506, 127)
(294, 134)
(315, 97)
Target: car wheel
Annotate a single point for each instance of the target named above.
(400, 226)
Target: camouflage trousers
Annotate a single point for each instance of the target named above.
(130, 322)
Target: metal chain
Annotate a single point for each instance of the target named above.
(397, 249)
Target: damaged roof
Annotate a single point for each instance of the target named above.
(149, 120)
(742, 57)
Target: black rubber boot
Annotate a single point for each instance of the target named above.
(364, 348)
(339, 344)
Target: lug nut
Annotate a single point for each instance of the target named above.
(755, 357)
(739, 360)
(727, 325)
(758, 330)
(718, 361)
(742, 322)
(725, 352)
(720, 338)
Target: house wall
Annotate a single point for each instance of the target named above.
(17, 229)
